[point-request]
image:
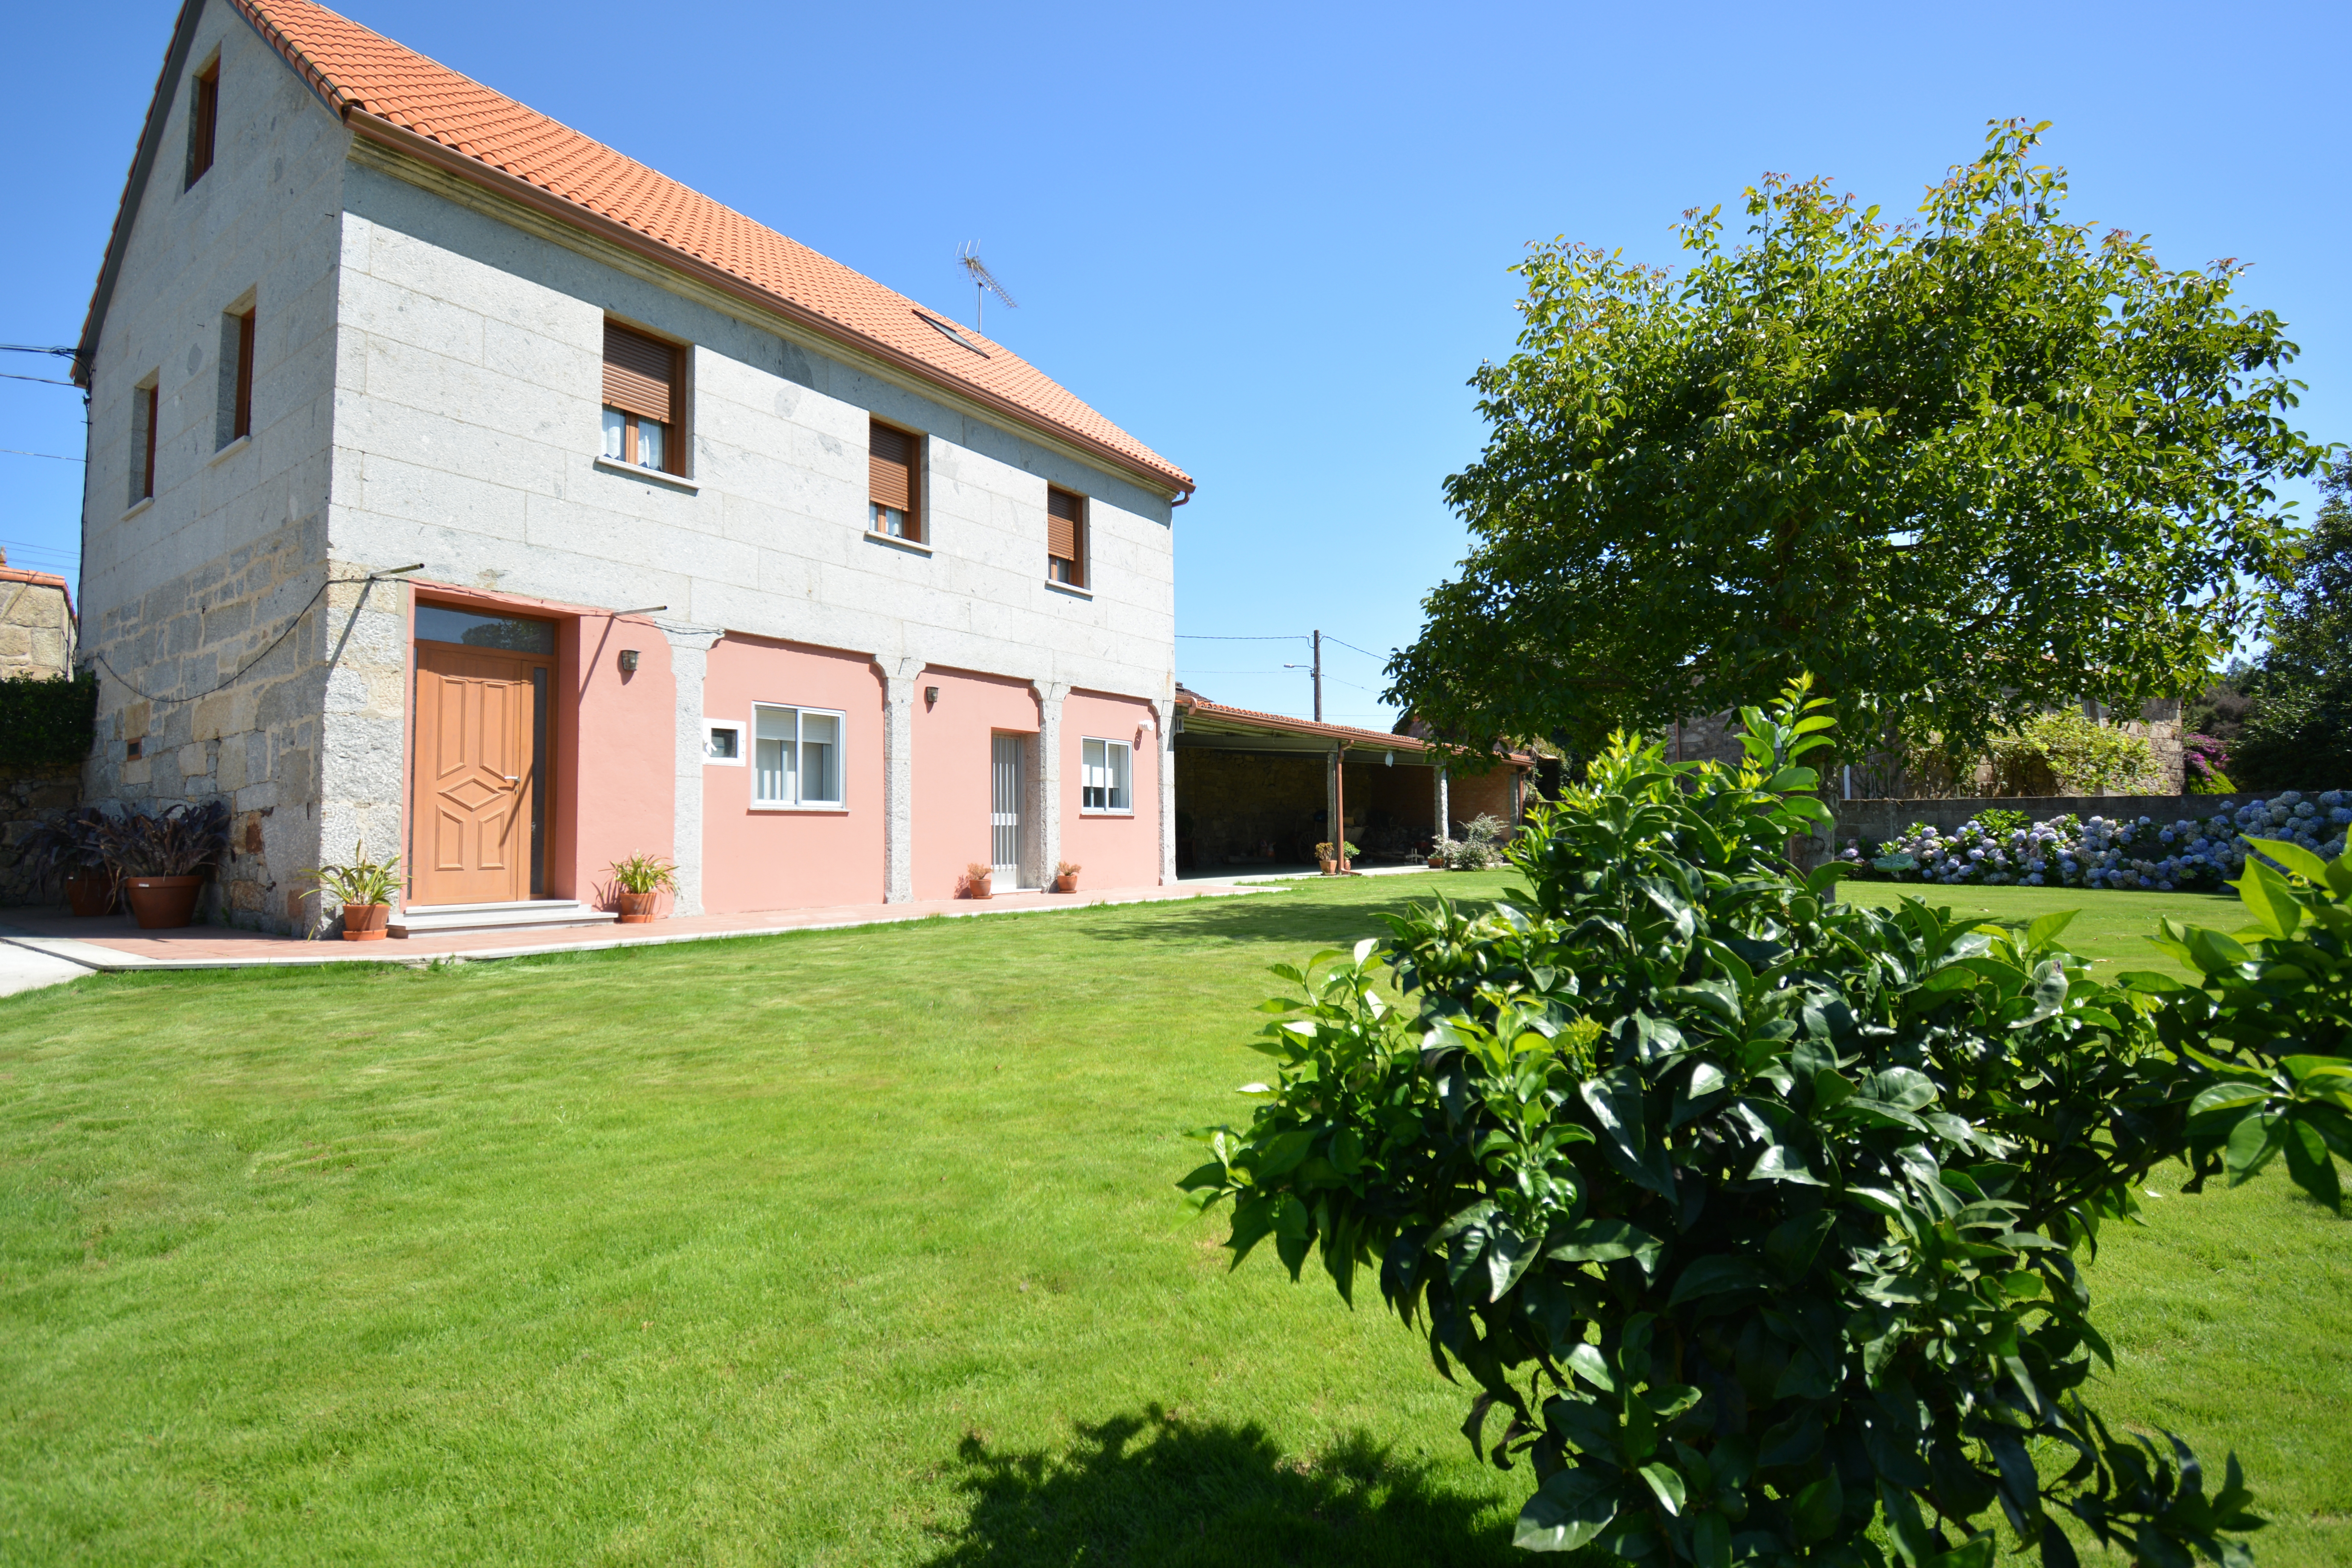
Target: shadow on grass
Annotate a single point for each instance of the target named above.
(1154, 1489)
(1310, 913)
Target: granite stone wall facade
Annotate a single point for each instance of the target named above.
(36, 625)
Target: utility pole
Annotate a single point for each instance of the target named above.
(1318, 676)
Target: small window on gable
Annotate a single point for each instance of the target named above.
(795, 757)
(1066, 537)
(642, 404)
(233, 408)
(894, 506)
(1105, 767)
(204, 121)
(143, 409)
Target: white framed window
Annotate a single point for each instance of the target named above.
(796, 758)
(722, 743)
(1104, 768)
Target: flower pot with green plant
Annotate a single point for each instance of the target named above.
(976, 880)
(1065, 877)
(161, 858)
(638, 884)
(68, 849)
(363, 888)
(1329, 861)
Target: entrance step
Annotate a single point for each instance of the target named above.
(530, 914)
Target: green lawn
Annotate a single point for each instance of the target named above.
(845, 1247)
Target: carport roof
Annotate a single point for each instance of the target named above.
(1249, 730)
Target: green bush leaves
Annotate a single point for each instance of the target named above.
(1753, 1216)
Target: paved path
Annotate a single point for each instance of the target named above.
(114, 942)
(24, 969)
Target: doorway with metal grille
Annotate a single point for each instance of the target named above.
(1007, 783)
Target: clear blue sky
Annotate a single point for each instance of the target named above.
(1271, 240)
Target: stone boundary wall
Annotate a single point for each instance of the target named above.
(1874, 821)
(29, 798)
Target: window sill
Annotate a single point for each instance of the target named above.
(804, 810)
(1072, 589)
(232, 449)
(650, 476)
(139, 507)
(1104, 810)
(912, 547)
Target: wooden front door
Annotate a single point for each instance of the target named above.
(475, 779)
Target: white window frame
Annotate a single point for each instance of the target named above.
(1126, 776)
(740, 760)
(841, 762)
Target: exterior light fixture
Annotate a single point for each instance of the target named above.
(930, 696)
(628, 661)
(1388, 759)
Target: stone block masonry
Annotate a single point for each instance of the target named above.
(36, 625)
(242, 681)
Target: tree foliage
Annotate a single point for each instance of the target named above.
(1755, 1217)
(2298, 728)
(1961, 470)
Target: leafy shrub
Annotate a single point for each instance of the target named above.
(73, 844)
(644, 874)
(1752, 1216)
(359, 880)
(46, 724)
(2204, 764)
(1480, 847)
(2066, 753)
(1995, 848)
(179, 841)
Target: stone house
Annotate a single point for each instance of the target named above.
(37, 630)
(459, 486)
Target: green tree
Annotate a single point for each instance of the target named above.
(2299, 729)
(1962, 470)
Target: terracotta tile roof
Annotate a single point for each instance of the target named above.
(366, 77)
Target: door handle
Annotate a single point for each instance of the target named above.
(514, 778)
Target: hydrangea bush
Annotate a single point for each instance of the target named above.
(2197, 855)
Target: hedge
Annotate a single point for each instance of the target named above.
(46, 724)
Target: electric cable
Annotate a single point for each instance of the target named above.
(248, 664)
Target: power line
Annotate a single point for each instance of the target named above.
(19, 452)
(1351, 648)
(1211, 636)
(43, 380)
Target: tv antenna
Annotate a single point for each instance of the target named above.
(983, 282)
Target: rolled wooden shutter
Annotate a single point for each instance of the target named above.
(640, 374)
(890, 466)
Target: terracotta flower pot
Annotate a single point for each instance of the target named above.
(161, 903)
(1437, 862)
(637, 908)
(980, 888)
(365, 923)
(1331, 868)
(1066, 884)
(90, 893)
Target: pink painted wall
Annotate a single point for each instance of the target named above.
(1115, 851)
(951, 763)
(789, 859)
(622, 756)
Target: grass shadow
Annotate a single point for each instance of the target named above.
(1155, 1488)
(1310, 913)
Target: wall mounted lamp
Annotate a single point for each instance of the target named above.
(930, 696)
(628, 661)
(1388, 759)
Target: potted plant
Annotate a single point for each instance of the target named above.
(161, 857)
(975, 880)
(639, 881)
(1331, 862)
(68, 848)
(1065, 877)
(364, 888)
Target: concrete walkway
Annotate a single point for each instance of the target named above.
(46, 946)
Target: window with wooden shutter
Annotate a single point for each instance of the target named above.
(1066, 537)
(893, 488)
(642, 401)
(204, 121)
